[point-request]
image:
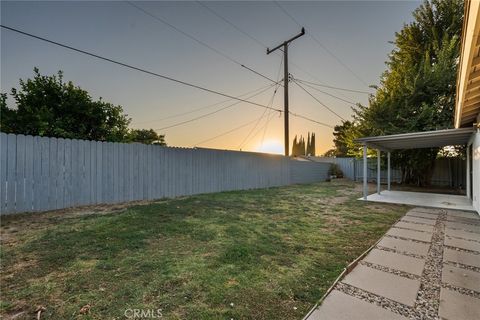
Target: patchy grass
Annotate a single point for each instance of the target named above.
(258, 254)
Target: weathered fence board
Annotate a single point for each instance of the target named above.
(40, 173)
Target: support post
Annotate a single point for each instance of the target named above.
(389, 173)
(365, 186)
(378, 170)
(468, 182)
(286, 111)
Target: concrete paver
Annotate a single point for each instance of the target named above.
(462, 257)
(464, 220)
(385, 284)
(405, 246)
(462, 231)
(457, 306)
(421, 215)
(462, 234)
(463, 226)
(461, 277)
(463, 214)
(410, 234)
(429, 210)
(419, 220)
(463, 244)
(396, 261)
(341, 306)
(414, 226)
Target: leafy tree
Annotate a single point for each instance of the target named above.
(416, 92)
(147, 136)
(330, 153)
(49, 106)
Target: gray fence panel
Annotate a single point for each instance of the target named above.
(39, 173)
(28, 174)
(20, 201)
(11, 172)
(3, 171)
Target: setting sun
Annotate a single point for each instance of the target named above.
(270, 146)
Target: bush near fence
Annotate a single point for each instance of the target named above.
(40, 173)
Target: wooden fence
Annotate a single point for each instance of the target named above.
(40, 173)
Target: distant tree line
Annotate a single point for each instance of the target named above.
(300, 148)
(49, 106)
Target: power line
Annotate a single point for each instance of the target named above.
(264, 46)
(320, 102)
(328, 94)
(210, 113)
(310, 119)
(231, 24)
(265, 110)
(332, 87)
(137, 68)
(163, 21)
(322, 45)
(203, 107)
(256, 124)
(226, 132)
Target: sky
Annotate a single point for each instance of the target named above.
(346, 45)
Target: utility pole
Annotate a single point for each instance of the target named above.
(285, 85)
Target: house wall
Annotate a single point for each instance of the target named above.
(476, 171)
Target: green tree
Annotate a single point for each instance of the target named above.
(416, 92)
(147, 136)
(49, 106)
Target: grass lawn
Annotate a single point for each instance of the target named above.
(258, 254)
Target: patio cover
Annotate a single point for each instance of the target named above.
(414, 140)
(418, 140)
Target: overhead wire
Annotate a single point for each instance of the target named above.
(332, 87)
(316, 99)
(211, 113)
(227, 132)
(137, 68)
(264, 46)
(206, 45)
(265, 110)
(328, 94)
(203, 107)
(322, 45)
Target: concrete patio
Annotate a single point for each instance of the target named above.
(433, 200)
(427, 266)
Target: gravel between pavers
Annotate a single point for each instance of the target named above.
(464, 250)
(408, 239)
(409, 254)
(380, 301)
(465, 291)
(390, 270)
(464, 239)
(396, 227)
(428, 296)
(461, 265)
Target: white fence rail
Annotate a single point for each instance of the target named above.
(40, 173)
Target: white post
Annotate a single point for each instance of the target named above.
(388, 171)
(469, 196)
(365, 186)
(378, 170)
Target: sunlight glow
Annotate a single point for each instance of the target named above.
(271, 146)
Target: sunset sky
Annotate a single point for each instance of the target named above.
(357, 33)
